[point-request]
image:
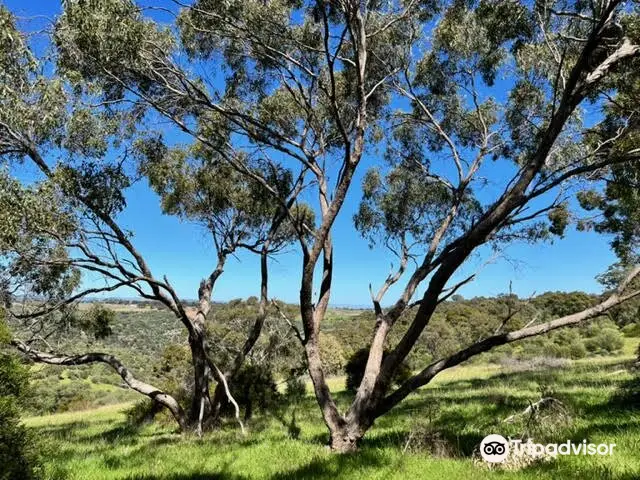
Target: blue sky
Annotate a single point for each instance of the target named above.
(185, 253)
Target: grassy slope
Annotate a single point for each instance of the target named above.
(463, 405)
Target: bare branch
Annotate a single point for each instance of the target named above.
(150, 391)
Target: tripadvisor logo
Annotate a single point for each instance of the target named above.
(495, 448)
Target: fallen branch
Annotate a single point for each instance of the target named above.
(534, 408)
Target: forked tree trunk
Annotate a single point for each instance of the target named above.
(345, 439)
(219, 396)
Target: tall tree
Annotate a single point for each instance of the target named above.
(65, 223)
(447, 89)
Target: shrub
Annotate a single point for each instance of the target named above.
(577, 349)
(533, 364)
(424, 438)
(18, 455)
(296, 389)
(607, 340)
(332, 354)
(253, 387)
(143, 412)
(357, 363)
(631, 330)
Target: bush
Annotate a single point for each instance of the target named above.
(296, 389)
(533, 364)
(97, 321)
(607, 340)
(18, 455)
(253, 387)
(631, 330)
(332, 354)
(577, 349)
(143, 412)
(357, 363)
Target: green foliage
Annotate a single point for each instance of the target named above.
(255, 389)
(230, 323)
(559, 304)
(631, 330)
(251, 84)
(98, 320)
(295, 389)
(332, 353)
(559, 219)
(35, 261)
(18, 455)
(96, 37)
(152, 345)
(619, 201)
(198, 185)
(407, 203)
(606, 340)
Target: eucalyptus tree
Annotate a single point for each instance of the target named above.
(491, 114)
(64, 225)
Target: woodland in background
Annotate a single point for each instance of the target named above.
(148, 341)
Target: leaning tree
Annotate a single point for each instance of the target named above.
(62, 238)
(482, 119)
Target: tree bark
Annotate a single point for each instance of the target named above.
(200, 401)
(346, 438)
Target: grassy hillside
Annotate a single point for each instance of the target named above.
(433, 435)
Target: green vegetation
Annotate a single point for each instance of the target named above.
(448, 419)
(18, 455)
(150, 342)
(469, 125)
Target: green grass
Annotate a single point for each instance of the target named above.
(462, 406)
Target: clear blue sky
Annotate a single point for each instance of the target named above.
(185, 253)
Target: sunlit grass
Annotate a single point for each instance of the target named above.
(462, 405)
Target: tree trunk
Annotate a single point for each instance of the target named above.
(201, 401)
(346, 438)
(219, 397)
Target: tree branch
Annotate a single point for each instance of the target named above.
(426, 375)
(150, 391)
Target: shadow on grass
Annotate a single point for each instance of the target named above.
(66, 429)
(479, 405)
(333, 466)
(221, 473)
